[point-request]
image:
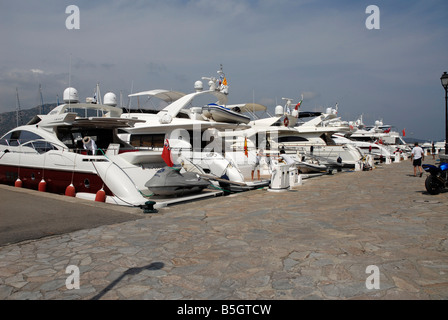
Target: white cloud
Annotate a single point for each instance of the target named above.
(37, 71)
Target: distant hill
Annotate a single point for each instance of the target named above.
(420, 141)
(8, 120)
(413, 140)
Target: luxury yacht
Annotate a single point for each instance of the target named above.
(51, 153)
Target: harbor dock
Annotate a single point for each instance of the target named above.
(375, 235)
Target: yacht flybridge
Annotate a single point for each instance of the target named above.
(190, 130)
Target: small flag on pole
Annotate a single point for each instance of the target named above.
(246, 153)
(404, 132)
(166, 154)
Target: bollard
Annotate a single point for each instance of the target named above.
(149, 207)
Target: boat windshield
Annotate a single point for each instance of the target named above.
(18, 137)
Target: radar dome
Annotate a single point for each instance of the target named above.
(212, 85)
(70, 95)
(198, 86)
(278, 110)
(110, 99)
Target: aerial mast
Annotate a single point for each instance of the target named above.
(41, 99)
(19, 112)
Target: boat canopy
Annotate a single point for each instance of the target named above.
(165, 95)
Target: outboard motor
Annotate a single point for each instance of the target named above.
(437, 179)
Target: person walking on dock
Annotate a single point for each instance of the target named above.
(417, 156)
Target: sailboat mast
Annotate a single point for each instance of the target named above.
(41, 99)
(19, 112)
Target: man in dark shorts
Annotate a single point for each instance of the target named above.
(417, 156)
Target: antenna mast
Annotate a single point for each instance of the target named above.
(19, 112)
(41, 99)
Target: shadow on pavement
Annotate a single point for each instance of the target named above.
(129, 272)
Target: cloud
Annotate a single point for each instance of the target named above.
(37, 71)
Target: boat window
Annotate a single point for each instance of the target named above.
(148, 140)
(291, 139)
(65, 136)
(183, 115)
(6, 140)
(14, 141)
(19, 137)
(26, 136)
(43, 146)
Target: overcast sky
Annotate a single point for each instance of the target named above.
(269, 49)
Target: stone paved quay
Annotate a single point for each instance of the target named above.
(314, 242)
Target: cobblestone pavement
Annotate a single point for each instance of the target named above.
(314, 242)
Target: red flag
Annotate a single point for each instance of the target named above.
(166, 154)
(245, 147)
(404, 133)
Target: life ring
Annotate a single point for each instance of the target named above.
(286, 121)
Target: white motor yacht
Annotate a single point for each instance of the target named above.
(49, 152)
(189, 129)
(310, 140)
(379, 134)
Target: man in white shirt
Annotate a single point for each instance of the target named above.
(417, 156)
(286, 158)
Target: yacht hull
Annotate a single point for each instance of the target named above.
(56, 180)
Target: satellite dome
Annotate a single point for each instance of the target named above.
(198, 86)
(70, 95)
(110, 99)
(279, 110)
